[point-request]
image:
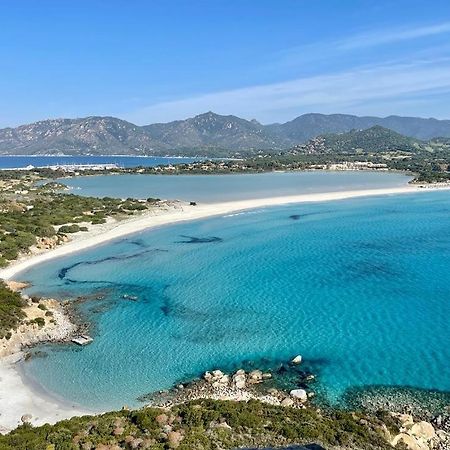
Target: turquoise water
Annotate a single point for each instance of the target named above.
(359, 287)
(208, 188)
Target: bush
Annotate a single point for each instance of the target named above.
(74, 228)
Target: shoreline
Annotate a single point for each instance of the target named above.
(18, 395)
(182, 212)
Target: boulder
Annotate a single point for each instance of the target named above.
(266, 376)
(406, 420)
(299, 394)
(223, 425)
(410, 441)
(296, 360)
(217, 374)
(207, 376)
(224, 380)
(423, 430)
(255, 376)
(239, 380)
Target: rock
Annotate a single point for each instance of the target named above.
(207, 376)
(224, 380)
(239, 380)
(26, 418)
(287, 402)
(240, 372)
(223, 425)
(266, 376)
(299, 394)
(297, 360)
(255, 376)
(410, 441)
(406, 420)
(423, 430)
(217, 374)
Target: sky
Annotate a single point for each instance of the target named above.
(162, 60)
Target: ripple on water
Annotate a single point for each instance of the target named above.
(360, 289)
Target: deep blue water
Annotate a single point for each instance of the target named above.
(359, 287)
(15, 162)
(208, 188)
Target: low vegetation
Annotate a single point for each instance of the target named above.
(29, 213)
(205, 424)
(11, 312)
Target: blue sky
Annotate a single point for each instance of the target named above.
(151, 61)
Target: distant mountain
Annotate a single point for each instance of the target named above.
(211, 130)
(372, 140)
(91, 135)
(308, 126)
(206, 134)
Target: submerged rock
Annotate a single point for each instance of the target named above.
(297, 360)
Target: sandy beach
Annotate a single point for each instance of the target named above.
(18, 398)
(181, 212)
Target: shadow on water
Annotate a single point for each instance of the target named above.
(197, 240)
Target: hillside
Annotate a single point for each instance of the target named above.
(372, 140)
(207, 134)
(211, 130)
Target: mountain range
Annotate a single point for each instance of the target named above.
(207, 134)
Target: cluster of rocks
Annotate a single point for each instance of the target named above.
(237, 386)
(420, 435)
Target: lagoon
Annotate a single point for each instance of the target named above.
(220, 188)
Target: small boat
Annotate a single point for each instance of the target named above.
(82, 339)
(129, 297)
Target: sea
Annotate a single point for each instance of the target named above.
(21, 162)
(359, 287)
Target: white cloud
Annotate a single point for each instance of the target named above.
(383, 37)
(325, 93)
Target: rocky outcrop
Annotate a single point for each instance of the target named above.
(237, 386)
(419, 435)
(46, 321)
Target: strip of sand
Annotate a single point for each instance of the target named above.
(184, 212)
(18, 398)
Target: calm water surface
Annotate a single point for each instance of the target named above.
(14, 162)
(359, 287)
(215, 188)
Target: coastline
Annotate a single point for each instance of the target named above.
(19, 396)
(181, 212)
(21, 399)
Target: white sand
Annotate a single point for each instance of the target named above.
(103, 233)
(18, 398)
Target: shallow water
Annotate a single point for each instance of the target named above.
(359, 287)
(217, 188)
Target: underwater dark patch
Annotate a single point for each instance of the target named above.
(197, 240)
(62, 274)
(417, 401)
